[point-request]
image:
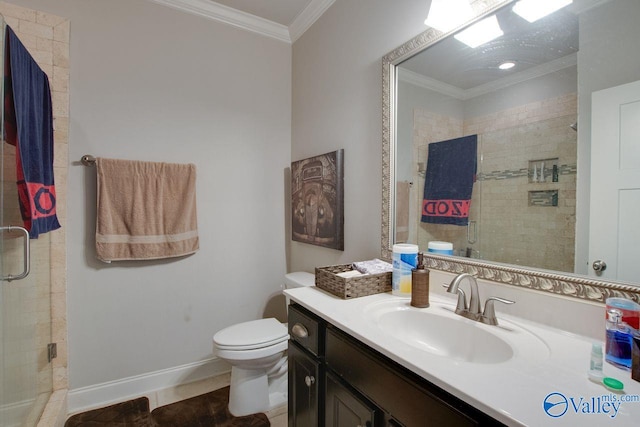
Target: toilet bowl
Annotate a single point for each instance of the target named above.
(256, 351)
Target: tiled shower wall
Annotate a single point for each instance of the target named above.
(46, 37)
(540, 236)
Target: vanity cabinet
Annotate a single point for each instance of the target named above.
(354, 385)
(405, 398)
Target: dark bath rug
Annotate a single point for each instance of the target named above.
(206, 410)
(133, 413)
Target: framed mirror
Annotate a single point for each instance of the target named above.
(531, 218)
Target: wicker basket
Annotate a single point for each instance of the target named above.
(351, 287)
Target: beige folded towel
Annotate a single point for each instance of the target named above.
(145, 210)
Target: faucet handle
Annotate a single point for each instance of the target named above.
(462, 300)
(489, 314)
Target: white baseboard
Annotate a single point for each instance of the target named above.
(100, 395)
(12, 414)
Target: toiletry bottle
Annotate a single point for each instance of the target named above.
(630, 310)
(619, 340)
(405, 259)
(420, 284)
(595, 365)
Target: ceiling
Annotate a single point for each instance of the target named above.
(455, 69)
(285, 20)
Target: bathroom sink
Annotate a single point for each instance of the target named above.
(439, 331)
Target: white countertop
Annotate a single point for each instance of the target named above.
(512, 392)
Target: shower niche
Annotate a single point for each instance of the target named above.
(543, 170)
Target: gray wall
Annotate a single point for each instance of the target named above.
(337, 103)
(151, 83)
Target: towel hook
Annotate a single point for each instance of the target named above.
(88, 160)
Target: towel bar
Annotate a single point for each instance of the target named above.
(88, 160)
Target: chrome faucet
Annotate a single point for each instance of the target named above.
(472, 311)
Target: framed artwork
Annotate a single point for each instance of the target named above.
(317, 200)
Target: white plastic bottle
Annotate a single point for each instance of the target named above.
(595, 365)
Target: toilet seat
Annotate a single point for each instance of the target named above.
(259, 355)
(251, 335)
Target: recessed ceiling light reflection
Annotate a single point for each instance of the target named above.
(481, 32)
(532, 10)
(445, 15)
(507, 65)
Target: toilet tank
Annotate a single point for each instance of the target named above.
(298, 279)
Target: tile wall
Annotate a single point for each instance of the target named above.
(46, 37)
(509, 142)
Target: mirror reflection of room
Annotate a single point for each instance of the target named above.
(517, 95)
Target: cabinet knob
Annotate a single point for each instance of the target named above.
(299, 330)
(309, 380)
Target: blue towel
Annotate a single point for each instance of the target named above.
(451, 172)
(29, 126)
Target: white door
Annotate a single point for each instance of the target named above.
(614, 236)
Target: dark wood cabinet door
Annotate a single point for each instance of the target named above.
(304, 387)
(344, 408)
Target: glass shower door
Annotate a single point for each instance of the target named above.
(25, 304)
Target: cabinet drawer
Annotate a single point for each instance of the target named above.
(306, 329)
(410, 403)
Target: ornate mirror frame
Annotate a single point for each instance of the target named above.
(580, 287)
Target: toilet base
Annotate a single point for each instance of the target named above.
(252, 390)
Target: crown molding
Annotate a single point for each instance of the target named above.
(464, 94)
(246, 21)
(307, 17)
(228, 15)
(523, 76)
(430, 84)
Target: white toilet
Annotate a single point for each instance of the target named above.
(256, 351)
